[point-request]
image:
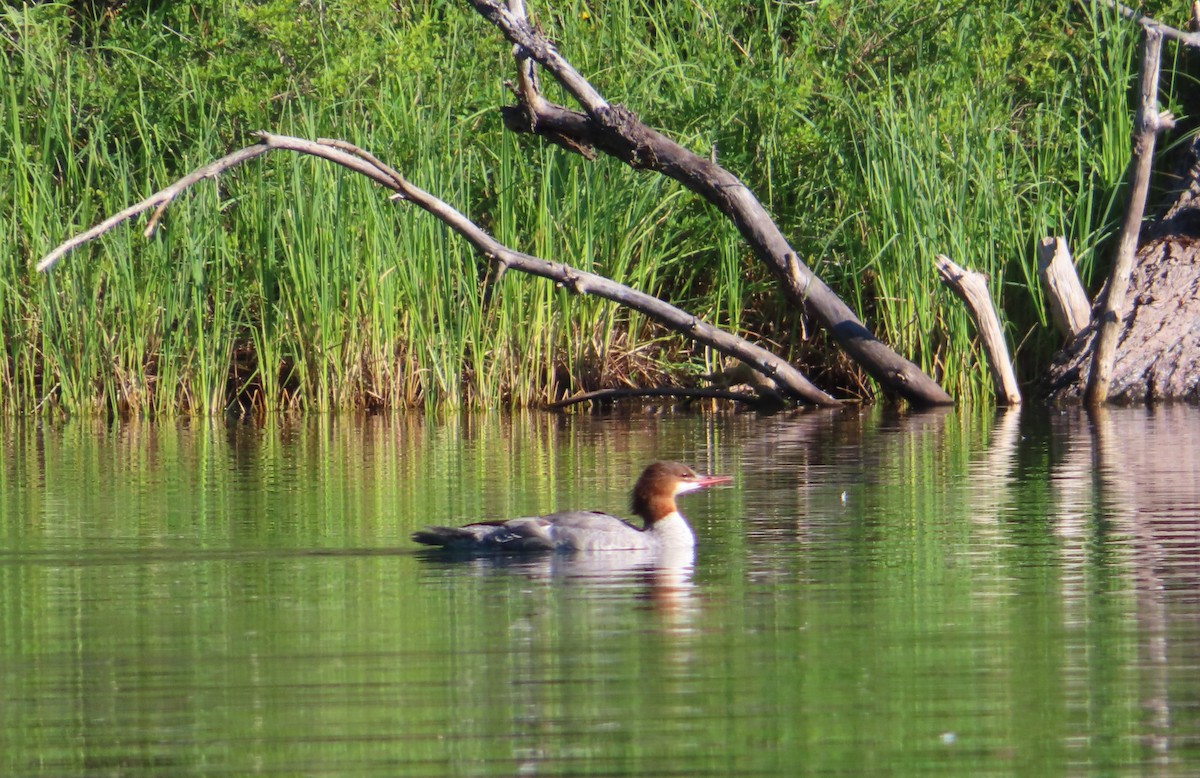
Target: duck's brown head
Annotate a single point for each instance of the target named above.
(655, 491)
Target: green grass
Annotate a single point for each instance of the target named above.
(955, 174)
(292, 285)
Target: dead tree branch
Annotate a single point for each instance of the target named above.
(1149, 23)
(1147, 124)
(159, 201)
(618, 132)
(1069, 306)
(789, 380)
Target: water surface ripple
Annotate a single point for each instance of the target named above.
(925, 594)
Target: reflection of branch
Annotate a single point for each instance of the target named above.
(349, 156)
(616, 131)
(1119, 489)
(991, 478)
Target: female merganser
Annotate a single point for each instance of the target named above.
(653, 500)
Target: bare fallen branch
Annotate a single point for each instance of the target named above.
(687, 394)
(786, 377)
(158, 200)
(617, 131)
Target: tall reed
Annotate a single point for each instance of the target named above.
(982, 176)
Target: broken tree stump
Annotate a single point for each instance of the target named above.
(971, 288)
(1069, 307)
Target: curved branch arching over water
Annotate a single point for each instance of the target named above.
(791, 381)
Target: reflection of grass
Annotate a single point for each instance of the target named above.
(207, 585)
(290, 284)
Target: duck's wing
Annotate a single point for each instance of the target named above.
(567, 531)
(525, 534)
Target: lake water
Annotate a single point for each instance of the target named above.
(876, 594)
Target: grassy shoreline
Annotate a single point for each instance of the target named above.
(291, 285)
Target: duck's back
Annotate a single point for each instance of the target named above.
(593, 531)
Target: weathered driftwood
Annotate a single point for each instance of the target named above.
(1158, 352)
(788, 379)
(1147, 124)
(1069, 307)
(1158, 355)
(971, 288)
(618, 132)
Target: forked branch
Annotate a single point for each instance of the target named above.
(159, 201)
(618, 132)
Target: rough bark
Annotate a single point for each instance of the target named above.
(616, 131)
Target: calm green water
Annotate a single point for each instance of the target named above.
(881, 595)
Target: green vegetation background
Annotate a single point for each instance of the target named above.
(878, 134)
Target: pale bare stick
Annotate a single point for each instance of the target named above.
(1147, 124)
(1148, 22)
(158, 200)
(1068, 302)
(971, 288)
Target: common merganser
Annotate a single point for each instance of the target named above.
(653, 499)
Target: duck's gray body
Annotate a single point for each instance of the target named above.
(567, 531)
(653, 499)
